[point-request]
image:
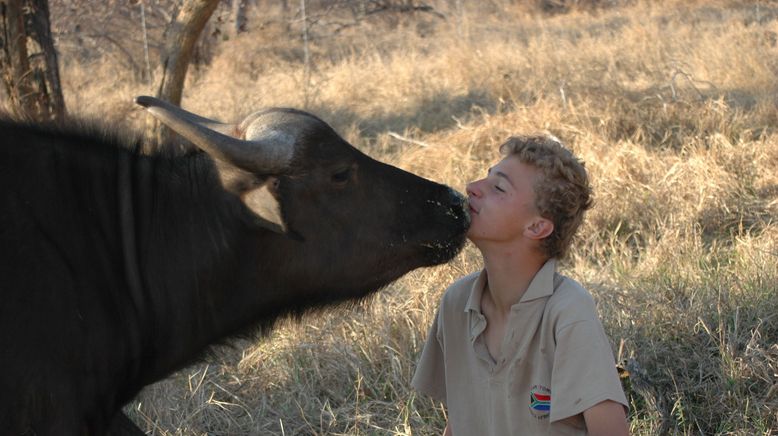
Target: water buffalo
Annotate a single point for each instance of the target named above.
(118, 267)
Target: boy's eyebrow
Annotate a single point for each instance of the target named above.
(500, 174)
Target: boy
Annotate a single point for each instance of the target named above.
(518, 349)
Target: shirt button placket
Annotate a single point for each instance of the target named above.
(515, 321)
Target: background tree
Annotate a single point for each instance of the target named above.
(238, 18)
(179, 42)
(28, 61)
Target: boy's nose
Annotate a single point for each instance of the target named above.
(472, 189)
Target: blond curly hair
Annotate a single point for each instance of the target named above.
(562, 194)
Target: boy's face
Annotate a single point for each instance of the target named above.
(502, 205)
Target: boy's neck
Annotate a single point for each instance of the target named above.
(509, 274)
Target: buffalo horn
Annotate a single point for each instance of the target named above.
(260, 155)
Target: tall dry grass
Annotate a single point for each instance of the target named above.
(671, 104)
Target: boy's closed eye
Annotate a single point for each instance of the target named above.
(500, 176)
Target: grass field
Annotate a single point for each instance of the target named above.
(673, 105)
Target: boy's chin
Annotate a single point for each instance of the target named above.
(473, 237)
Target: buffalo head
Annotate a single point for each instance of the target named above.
(330, 219)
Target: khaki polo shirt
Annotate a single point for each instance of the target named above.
(556, 360)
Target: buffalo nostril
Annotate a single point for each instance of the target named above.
(458, 205)
(455, 198)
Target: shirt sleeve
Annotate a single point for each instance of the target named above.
(584, 372)
(430, 375)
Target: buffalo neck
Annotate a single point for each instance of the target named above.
(179, 230)
(204, 266)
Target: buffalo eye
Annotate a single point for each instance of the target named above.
(341, 177)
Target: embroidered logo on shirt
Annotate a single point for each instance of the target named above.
(540, 401)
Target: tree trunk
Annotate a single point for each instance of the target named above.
(28, 61)
(238, 18)
(180, 38)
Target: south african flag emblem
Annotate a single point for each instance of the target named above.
(540, 401)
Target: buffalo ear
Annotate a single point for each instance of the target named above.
(256, 192)
(261, 200)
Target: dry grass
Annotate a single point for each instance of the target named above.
(671, 104)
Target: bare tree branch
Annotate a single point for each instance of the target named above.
(29, 62)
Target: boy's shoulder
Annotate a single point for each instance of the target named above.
(567, 289)
(465, 282)
(570, 300)
(458, 293)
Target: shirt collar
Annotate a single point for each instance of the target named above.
(542, 285)
(476, 291)
(476, 319)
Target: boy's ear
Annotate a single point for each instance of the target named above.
(539, 228)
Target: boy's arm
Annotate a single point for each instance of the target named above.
(605, 419)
